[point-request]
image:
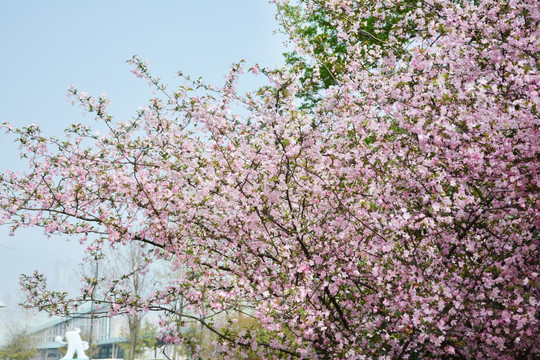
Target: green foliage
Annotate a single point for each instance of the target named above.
(199, 341)
(315, 33)
(93, 349)
(146, 339)
(20, 346)
(243, 323)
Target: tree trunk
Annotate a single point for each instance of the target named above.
(134, 324)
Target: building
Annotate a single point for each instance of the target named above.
(107, 335)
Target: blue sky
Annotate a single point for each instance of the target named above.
(45, 46)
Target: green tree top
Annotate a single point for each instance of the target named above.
(312, 27)
(20, 346)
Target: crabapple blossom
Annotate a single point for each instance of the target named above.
(398, 218)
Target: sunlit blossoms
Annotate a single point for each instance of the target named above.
(398, 218)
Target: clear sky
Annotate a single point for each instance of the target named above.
(45, 46)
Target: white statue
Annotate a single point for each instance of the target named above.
(75, 345)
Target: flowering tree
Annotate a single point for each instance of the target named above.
(128, 265)
(398, 218)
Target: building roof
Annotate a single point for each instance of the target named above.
(86, 308)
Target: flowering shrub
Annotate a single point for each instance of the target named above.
(397, 218)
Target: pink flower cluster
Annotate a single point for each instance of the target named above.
(398, 219)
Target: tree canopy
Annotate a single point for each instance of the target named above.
(395, 216)
(20, 346)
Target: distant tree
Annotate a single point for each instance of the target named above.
(322, 32)
(107, 263)
(20, 346)
(147, 337)
(93, 348)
